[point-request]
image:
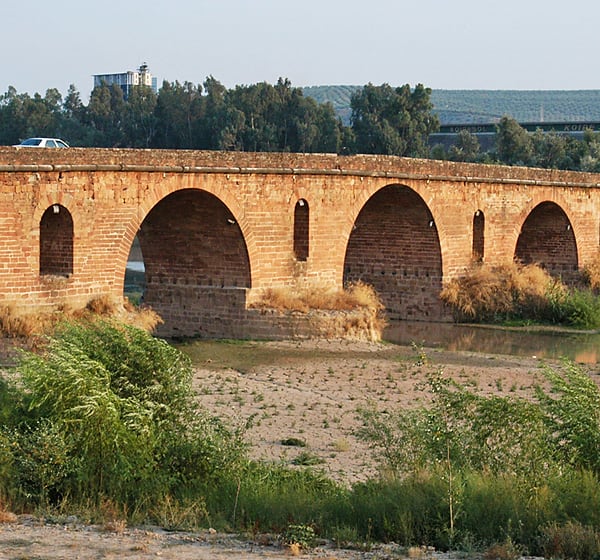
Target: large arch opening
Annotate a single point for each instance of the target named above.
(56, 242)
(394, 246)
(547, 239)
(196, 264)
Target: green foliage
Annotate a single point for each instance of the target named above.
(514, 144)
(393, 121)
(572, 413)
(408, 512)
(294, 442)
(302, 535)
(112, 415)
(268, 497)
(307, 459)
(580, 308)
(505, 467)
(519, 293)
(460, 431)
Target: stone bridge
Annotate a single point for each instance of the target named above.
(218, 228)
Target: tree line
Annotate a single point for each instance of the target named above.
(258, 117)
(514, 145)
(276, 118)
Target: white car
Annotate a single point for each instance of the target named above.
(42, 143)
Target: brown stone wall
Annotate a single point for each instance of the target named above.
(217, 228)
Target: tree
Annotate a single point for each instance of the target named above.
(393, 121)
(105, 115)
(178, 108)
(550, 150)
(466, 147)
(73, 127)
(139, 120)
(513, 142)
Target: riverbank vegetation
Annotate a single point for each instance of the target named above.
(523, 294)
(101, 422)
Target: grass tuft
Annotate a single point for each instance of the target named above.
(354, 312)
(26, 323)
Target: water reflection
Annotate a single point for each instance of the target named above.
(136, 266)
(582, 347)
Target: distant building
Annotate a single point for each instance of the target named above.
(129, 79)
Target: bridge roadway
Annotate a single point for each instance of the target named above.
(216, 229)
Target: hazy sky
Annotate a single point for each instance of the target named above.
(443, 44)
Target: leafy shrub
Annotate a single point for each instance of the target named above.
(307, 459)
(581, 308)
(294, 442)
(508, 466)
(113, 416)
(302, 535)
(460, 430)
(268, 497)
(411, 511)
(572, 412)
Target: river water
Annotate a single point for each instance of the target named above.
(577, 346)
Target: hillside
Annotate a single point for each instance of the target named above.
(487, 106)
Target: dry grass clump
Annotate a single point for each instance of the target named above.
(27, 323)
(7, 516)
(591, 273)
(485, 292)
(312, 296)
(355, 312)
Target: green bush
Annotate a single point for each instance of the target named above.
(572, 413)
(113, 417)
(506, 466)
(412, 511)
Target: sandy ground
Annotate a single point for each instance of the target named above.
(315, 388)
(307, 390)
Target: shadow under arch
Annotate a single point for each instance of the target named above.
(196, 263)
(395, 247)
(547, 239)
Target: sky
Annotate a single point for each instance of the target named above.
(443, 44)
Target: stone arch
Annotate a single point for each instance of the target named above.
(547, 239)
(56, 242)
(197, 268)
(301, 230)
(394, 246)
(478, 243)
(171, 186)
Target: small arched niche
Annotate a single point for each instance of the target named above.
(301, 218)
(56, 242)
(478, 237)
